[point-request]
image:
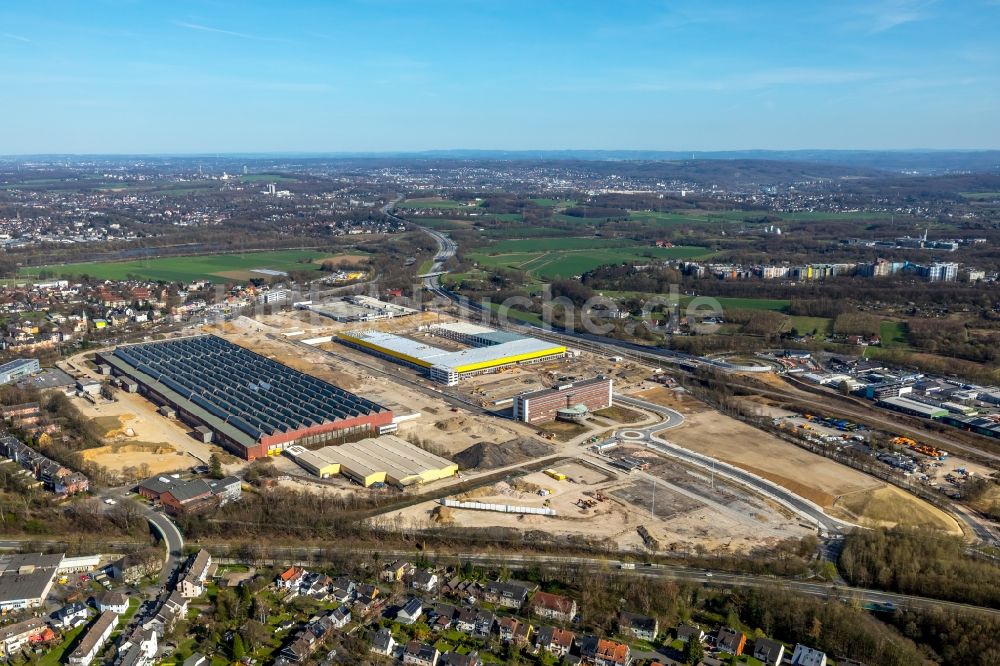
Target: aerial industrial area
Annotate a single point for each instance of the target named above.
(446, 412)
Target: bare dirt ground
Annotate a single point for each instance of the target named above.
(344, 259)
(145, 458)
(889, 506)
(804, 473)
(149, 428)
(682, 516)
(666, 397)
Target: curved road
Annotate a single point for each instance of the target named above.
(671, 419)
(801, 506)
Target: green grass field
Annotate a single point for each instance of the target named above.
(775, 304)
(521, 315)
(519, 231)
(893, 334)
(667, 219)
(445, 225)
(565, 262)
(504, 217)
(432, 202)
(184, 269)
(806, 325)
(565, 243)
(552, 203)
(572, 219)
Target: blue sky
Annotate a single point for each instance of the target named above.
(116, 76)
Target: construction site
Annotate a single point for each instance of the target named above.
(630, 495)
(663, 509)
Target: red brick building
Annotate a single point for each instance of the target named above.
(542, 406)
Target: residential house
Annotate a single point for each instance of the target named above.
(93, 640)
(450, 658)
(553, 606)
(484, 623)
(395, 571)
(453, 586)
(318, 585)
(639, 626)
(139, 649)
(612, 653)
(420, 654)
(767, 651)
(300, 649)
(341, 617)
(426, 581)
(192, 584)
(71, 615)
(342, 589)
(514, 631)
(13, 637)
(730, 640)
(509, 595)
(465, 620)
(807, 656)
(443, 618)
(197, 659)
(383, 643)
(688, 631)
(116, 602)
(133, 567)
(555, 640)
(289, 578)
(410, 612)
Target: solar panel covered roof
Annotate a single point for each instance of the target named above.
(252, 393)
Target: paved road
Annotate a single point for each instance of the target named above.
(671, 419)
(803, 507)
(663, 571)
(168, 532)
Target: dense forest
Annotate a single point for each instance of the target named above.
(912, 562)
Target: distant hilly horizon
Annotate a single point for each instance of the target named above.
(894, 160)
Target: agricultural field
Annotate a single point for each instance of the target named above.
(445, 225)
(522, 232)
(432, 203)
(552, 203)
(225, 267)
(893, 334)
(775, 304)
(548, 258)
(705, 217)
(565, 243)
(807, 325)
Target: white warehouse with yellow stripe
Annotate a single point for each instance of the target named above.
(490, 350)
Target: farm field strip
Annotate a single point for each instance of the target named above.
(182, 269)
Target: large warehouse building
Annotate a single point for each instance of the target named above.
(252, 405)
(386, 459)
(448, 367)
(544, 405)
